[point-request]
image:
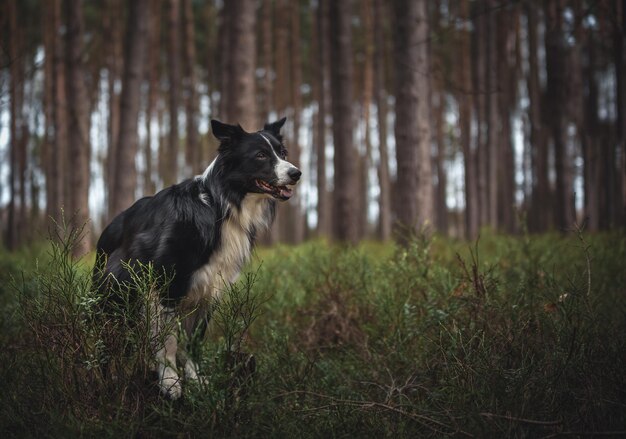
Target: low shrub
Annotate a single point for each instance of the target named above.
(507, 336)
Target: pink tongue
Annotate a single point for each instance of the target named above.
(285, 192)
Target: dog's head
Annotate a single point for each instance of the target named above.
(256, 162)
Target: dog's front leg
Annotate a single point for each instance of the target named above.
(190, 366)
(169, 381)
(193, 326)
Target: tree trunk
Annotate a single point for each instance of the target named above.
(163, 136)
(438, 105)
(113, 26)
(281, 56)
(212, 69)
(241, 104)
(493, 120)
(223, 59)
(297, 219)
(266, 55)
(556, 97)
(341, 72)
(192, 151)
(323, 202)
(507, 23)
(481, 98)
(34, 219)
(4, 60)
(576, 86)
(464, 98)
(48, 30)
(19, 141)
(78, 119)
(12, 239)
(414, 185)
(380, 96)
(539, 218)
(60, 114)
(128, 141)
(368, 90)
(173, 62)
(619, 33)
(22, 160)
(153, 74)
(591, 143)
(441, 206)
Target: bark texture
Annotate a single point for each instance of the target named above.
(345, 213)
(128, 140)
(380, 96)
(78, 124)
(412, 127)
(171, 158)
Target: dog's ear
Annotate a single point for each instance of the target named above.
(224, 132)
(275, 127)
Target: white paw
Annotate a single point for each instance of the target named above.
(170, 383)
(191, 370)
(192, 374)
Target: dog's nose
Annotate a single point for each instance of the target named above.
(294, 174)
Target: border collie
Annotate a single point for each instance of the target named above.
(202, 232)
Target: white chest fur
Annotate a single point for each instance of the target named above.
(224, 265)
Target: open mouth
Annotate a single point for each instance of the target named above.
(280, 192)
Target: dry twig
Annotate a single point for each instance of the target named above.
(428, 422)
(523, 420)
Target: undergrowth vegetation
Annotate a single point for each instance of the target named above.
(504, 337)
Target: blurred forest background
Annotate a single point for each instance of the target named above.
(457, 117)
(452, 115)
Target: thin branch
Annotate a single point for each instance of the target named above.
(586, 433)
(523, 420)
(420, 419)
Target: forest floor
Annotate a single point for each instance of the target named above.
(504, 337)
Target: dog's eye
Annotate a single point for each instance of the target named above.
(261, 155)
(283, 154)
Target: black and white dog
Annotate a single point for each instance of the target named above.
(202, 231)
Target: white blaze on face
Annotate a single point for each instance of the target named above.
(282, 167)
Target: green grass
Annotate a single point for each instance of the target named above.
(507, 337)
